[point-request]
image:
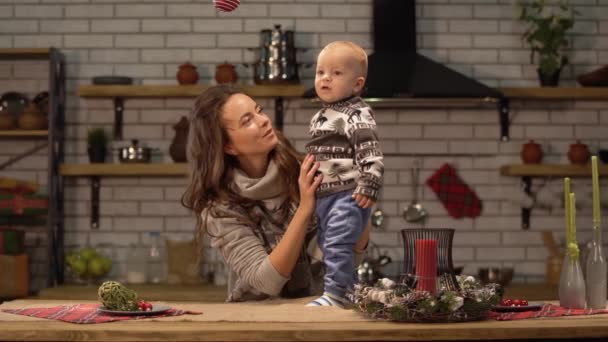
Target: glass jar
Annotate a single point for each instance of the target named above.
(156, 260)
(136, 264)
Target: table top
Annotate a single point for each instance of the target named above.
(285, 321)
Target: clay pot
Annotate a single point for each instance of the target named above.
(579, 153)
(7, 121)
(225, 73)
(177, 150)
(32, 118)
(187, 74)
(531, 153)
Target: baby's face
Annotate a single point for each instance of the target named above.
(338, 75)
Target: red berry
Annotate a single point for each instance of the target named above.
(523, 302)
(506, 302)
(516, 302)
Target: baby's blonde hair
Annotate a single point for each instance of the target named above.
(358, 53)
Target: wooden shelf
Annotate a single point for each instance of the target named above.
(23, 133)
(556, 93)
(551, 170)
(139, 169)
(183, 90)
(33, 53)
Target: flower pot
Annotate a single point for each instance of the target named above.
(187, 74)
(549, 80)
(225, 73)
(578, 153)
(531, 153)
(97, 154)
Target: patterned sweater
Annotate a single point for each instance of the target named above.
(345, 142)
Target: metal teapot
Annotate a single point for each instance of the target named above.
(370, 269)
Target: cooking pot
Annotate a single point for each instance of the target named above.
(135, 153)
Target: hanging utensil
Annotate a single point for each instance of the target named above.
(377, 218)
(414, 212)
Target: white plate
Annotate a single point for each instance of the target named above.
(156, 309)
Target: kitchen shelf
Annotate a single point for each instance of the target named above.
(25, 53)
(124, 170)
(119, 92)
(16, 133)
(54, 141)
(551, 170)
(556, 93)
(527, 171)
(183, 90)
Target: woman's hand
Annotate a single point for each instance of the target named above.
(308, 182)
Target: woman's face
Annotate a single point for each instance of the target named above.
(249, 130)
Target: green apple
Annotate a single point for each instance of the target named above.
(96, 267)
(79, 267)
(87, 253)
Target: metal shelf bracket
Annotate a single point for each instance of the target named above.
(118, 117)
(503, 112)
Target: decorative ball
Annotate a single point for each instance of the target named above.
(226, 5)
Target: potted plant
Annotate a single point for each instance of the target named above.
(546, 35)
(97, 145)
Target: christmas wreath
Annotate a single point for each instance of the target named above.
(403, 303)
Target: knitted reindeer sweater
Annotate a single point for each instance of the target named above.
(345, 142)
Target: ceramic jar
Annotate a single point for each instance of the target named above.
(225, 73)
(579, 153)
(531, 153)
(187, 74)
(177, 150)
(32, 118)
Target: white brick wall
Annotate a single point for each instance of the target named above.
(148, 41)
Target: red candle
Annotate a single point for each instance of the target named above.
(426, 265)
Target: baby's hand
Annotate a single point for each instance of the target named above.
(364, 201)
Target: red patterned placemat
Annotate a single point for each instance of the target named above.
(548, 310)
(88, 314)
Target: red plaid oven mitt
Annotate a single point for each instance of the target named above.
(455, 194)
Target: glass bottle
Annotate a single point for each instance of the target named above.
(156, 260)
(596, 272)
(136, 265)
(572, 283)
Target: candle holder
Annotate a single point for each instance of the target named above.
(445, 267)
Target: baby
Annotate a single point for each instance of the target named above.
(345, 142)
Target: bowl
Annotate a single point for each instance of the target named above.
(502, 275)
(603, 154)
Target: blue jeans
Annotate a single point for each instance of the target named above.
(341, 222)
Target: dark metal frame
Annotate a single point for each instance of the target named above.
(56, 141)
(55, 144)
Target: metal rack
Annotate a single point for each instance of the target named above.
(55, 144)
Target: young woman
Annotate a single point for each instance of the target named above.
(253, 195)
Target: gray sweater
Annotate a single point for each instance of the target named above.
(246, 245)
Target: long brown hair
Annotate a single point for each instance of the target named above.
(212, 170)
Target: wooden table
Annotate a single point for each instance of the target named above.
(283, 322)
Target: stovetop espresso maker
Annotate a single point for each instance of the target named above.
(277, 58)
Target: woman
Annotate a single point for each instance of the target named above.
(252, 196)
